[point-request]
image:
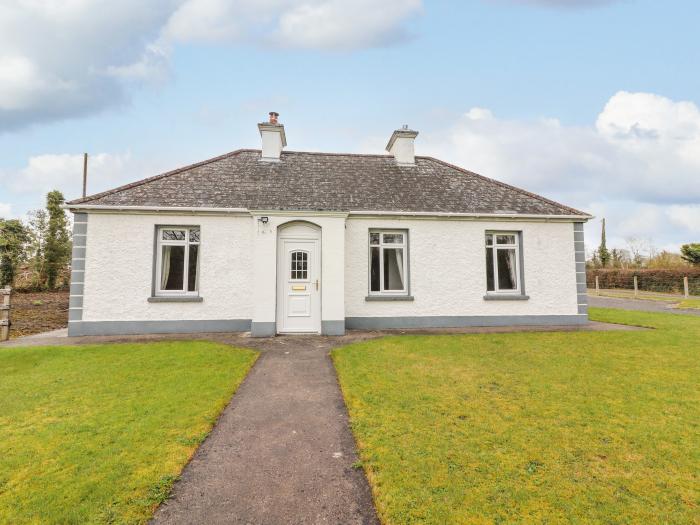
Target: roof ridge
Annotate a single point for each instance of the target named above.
(509, 186)
(134, 184)
(337, 154)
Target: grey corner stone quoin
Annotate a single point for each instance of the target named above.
(580, 261)
(77, 276)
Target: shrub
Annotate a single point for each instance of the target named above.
(669, 281)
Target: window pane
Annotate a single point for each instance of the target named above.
(506, 269)
(393, 238)
(393, 269)
(374, 238)
(489, 270)
(172, 268)
(374, 270)
(194, 234)
(173, 235)
(192, 269)
(505, 239)
(489, 239)
(299, 267)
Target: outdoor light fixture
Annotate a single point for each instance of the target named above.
(264, 220)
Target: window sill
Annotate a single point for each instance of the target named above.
(389, 298)
(176, 299)
(506, 297)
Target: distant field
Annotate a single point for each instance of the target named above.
(586, 427)
(36, 312)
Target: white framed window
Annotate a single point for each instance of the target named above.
(503, 262)
(388, 262)
(177, 264)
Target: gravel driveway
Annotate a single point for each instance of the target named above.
(639, 304)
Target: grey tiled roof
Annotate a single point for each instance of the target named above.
(328, 182)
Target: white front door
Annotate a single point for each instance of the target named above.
(298, 285)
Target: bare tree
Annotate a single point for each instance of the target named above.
(639, 249)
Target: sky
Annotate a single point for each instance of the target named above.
(593, 103)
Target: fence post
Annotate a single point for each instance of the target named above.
(5, 313)
(597, 286)
(686, 288)
(635, 286)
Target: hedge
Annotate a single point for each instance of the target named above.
(670, 281)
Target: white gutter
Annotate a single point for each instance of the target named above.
(356, 213)
(360, 213)
(154, 209)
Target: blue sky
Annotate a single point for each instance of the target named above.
(593, 103)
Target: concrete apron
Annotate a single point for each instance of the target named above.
(282, 451)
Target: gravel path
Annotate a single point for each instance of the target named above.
(639, 304)
(282, 451)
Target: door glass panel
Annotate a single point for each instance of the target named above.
(393, 269)
(299, 265)
(506, 269)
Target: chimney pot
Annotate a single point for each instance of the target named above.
(401, 146)
(273, 138)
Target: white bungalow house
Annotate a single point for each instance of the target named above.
(276, 241)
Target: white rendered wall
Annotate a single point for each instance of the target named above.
(448, 269)
(238, 268)
(119, 268)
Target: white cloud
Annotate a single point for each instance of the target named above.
(310, 24)
(44, 173)
(5, 210)
(686, 217)
(79, 55)
(55, 56)
(639, 166)
(339, 24)
(26, 187)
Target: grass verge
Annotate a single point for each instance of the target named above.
(98, 434)
(693, 304)
(587, 427)
(629, 294)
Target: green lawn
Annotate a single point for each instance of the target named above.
(98, 434)
(588, 427)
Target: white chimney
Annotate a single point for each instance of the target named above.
(401, 146)
(273, 138)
